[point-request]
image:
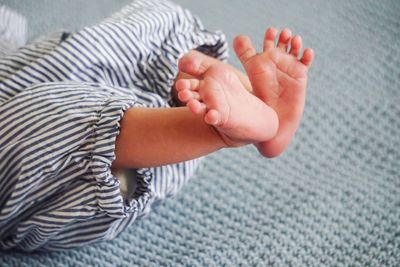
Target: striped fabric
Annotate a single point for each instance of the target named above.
(61, 100)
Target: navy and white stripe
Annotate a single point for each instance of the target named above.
(61, 100)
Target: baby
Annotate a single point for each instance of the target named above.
(264, 108)
(81, 103)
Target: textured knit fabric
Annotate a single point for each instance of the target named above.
(61, 100)
(332, 199)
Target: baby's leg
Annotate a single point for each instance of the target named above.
(176, 135)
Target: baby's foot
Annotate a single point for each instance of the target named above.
(279, 79)
(238, 116)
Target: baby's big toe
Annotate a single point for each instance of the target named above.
(193, 64)
(244, 48)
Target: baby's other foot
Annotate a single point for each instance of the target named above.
(279, 78)
(238, 116)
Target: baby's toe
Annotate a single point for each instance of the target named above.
(269, 38)
(196, 106)
(284, 38)
(190, 84)
(186, 95)
(308, 57)
(244, 48)
(181, 84)
(213, 117)
(295, 45)
(193, 64)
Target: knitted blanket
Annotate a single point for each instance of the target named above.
(333, 198)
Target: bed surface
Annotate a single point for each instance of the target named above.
(333, 198)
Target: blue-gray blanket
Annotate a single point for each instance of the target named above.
(333, 198)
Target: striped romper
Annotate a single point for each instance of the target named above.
(61, 100)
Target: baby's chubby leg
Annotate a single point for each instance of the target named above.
(151, 137)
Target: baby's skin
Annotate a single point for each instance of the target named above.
(239, 116)
(269, 115)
